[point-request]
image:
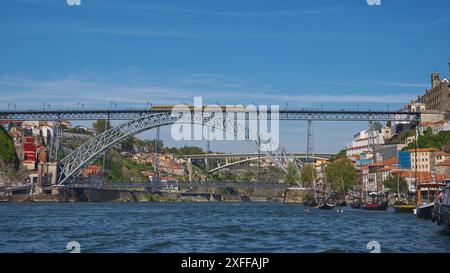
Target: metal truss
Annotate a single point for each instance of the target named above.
(74, 163)
(131, 114)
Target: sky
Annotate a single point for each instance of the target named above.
(297, 54)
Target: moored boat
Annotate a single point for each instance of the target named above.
(376, 206)
(426, 195)
(403, 207)
(425, 210)
(379, 202)
(442, 207)
(326, 205)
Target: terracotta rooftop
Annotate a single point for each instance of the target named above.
(444, 163)
(390, 161)
(424, 150)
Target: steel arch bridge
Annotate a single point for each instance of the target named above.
(74, 163)
(251, 159)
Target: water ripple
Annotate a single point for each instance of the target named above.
(211, 227)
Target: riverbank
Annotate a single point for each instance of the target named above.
(107, 195)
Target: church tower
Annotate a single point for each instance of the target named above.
(435, 79)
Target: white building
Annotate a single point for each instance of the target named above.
(362, 141)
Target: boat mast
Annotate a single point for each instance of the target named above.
(314, 183)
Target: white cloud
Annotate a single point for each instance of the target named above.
(100, 91)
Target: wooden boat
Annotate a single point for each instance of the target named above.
(442, 207)
(376, 206)
(425, 210)
(326, 205)
(379, 202)
(426, 195)
(403, 207)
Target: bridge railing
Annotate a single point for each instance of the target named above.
(292, 114)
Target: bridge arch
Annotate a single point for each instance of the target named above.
(252, 159)
(74, 163)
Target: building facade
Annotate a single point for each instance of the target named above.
(438, 97)
(424, 161)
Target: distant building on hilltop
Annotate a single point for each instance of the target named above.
(438, 97)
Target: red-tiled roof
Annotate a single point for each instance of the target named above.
(444, 163)
(422, 177)
(424, 150)
(390, 161)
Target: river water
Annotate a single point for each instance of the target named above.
(211, 227)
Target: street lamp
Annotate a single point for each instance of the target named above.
(82, 105)
(115, 105)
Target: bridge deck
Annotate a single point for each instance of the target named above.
(130, 114)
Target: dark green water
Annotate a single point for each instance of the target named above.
(210, 227)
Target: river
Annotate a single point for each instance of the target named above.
(210, 227)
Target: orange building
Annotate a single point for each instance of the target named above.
(91, 169)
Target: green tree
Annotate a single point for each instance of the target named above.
(428, 140)
(128, 144)
(308, 174)
(228, 176)
(292, 175)
(187, 150)
(99, 126)
(341, 154)
(341, 175)
(247, 176)
(7, 150)
(377, 126)
(396, 183)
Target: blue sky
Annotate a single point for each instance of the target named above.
(331, 54)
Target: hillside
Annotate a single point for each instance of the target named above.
(428, 140)
(7, 151)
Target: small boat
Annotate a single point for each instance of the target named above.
(425, 210)
(441, 211)
(426, 195)
(379, 202)
(326, 205)
(403, 207)
(343, 203)
(376, 206)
